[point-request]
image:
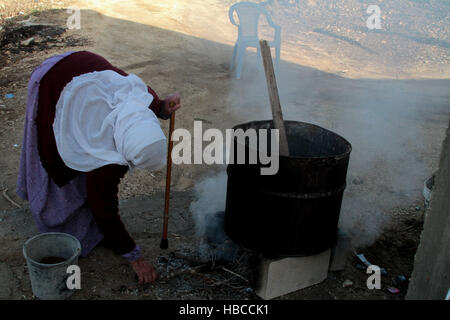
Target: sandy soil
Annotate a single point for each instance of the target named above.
(186, 46)
(183, 274)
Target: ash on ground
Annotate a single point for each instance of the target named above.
(20, 35)
(218, 266)
(196, 278)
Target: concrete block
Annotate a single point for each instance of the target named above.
(283, 276)
(340, 252)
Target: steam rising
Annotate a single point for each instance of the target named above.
(391, 124)
(208, 212)
(210, 199)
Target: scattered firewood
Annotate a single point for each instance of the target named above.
(174, 274)
(10, 200)
(234, 273)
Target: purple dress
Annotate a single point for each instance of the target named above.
(54, 209)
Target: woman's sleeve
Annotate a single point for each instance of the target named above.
(156, 104)
(102, 189)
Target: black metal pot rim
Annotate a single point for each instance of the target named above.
(336, 157)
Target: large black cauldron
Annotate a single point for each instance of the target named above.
(296, 211)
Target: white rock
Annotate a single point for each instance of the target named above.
(347, 283)
(27, 42)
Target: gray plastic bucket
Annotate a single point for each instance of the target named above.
(48, 281)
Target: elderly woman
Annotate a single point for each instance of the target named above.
(88, 122)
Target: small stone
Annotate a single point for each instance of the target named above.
(393, 290)
(27, 42)
(357, 181)
(347, 283)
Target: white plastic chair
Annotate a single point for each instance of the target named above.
(248, 14)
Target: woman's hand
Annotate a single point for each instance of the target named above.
(144, 270)
(171, 104)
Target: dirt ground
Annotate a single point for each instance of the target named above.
(186, 46)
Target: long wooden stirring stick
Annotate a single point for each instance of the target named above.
(274, 98)
(164, 241)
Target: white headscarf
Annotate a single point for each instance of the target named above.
(103, 118)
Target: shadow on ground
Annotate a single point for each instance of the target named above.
(395, 126)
